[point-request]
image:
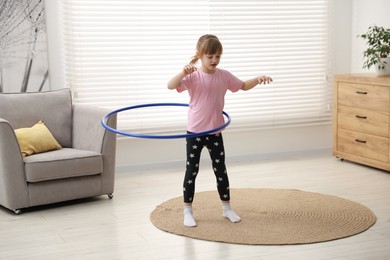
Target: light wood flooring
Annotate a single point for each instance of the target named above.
(100, 228)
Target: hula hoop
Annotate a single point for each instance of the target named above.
(103, 122)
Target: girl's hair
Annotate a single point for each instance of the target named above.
(207, 44)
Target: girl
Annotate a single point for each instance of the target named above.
(207, 87)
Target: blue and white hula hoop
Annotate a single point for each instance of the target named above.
(103, 121)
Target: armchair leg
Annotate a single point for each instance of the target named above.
(17, 211)
(110, 195)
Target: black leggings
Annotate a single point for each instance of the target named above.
(214, 144)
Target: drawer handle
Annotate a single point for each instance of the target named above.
(360, 141)
(361, 92)
(361, 117)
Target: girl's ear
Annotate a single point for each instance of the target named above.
(198, 54)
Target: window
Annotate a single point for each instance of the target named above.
(122, 53)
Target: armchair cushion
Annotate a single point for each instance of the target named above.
(52, 107)
(36, 139)
(64, 163)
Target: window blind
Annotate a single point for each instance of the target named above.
(121, 53)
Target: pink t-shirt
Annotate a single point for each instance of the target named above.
(207, 97)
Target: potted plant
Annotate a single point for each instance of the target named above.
(378, 51)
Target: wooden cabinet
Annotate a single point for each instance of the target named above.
(361, 119)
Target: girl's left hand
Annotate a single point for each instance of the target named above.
(264, 80)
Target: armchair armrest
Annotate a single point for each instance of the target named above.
(13, 184)
(89, 134)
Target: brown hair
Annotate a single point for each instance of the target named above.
(207, 44)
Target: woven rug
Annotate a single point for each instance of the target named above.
(269, 217)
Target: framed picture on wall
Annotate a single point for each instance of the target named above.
(23, 48)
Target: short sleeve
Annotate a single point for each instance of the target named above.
(184, 84)
(234, 83)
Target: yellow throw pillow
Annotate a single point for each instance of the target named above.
(36, 139)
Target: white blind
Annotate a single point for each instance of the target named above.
(121, 53)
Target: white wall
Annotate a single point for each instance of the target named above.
(364, 14)
(242, 145)
(55, 52)
(340, 31)
(348, 17)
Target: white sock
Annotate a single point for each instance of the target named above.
(230, 214)
(189, 220)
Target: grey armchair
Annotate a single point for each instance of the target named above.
(84, 167)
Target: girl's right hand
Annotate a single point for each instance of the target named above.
(188, 69)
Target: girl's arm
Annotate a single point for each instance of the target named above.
(251, 83)
(174, 83)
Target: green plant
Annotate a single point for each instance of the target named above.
(378, 40)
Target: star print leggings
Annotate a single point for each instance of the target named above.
(214, 144)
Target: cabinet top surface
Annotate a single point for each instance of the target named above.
(368, 78)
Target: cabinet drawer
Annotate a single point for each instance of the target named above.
(363, 96)
(363, 120)
(364, 145)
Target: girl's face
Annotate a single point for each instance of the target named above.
(210, 62)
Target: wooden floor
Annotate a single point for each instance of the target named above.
(100, 228)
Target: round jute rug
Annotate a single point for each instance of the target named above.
(269, 217)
